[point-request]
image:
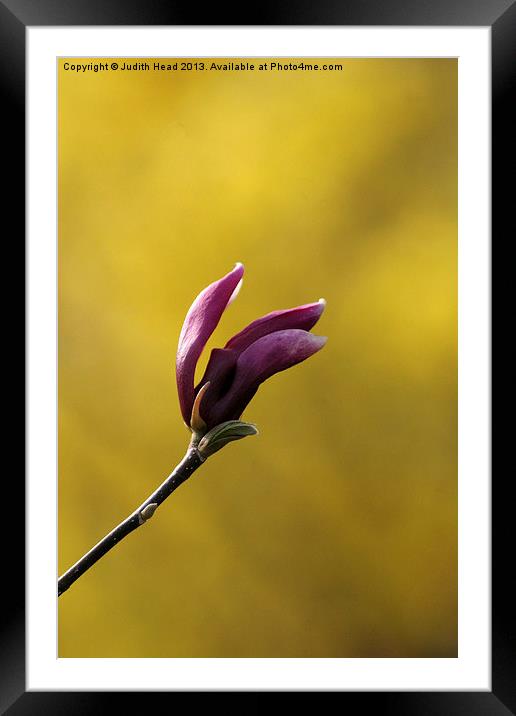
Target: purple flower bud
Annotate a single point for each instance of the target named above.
(266, 346)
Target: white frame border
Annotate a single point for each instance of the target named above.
(471, 670)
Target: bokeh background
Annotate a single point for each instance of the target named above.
(334, 532)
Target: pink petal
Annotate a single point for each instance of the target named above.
(302, 317)
(262, 359)
(219, 373)
(200, 322)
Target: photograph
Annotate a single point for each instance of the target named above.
(259, 445)
(322, 191)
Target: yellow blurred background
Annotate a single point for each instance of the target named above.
(334, 532)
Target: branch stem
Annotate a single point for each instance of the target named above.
(191, 461)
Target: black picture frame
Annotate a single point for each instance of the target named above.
(500, 16)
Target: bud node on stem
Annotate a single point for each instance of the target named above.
(147, 512)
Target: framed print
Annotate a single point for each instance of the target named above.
(355, 544)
